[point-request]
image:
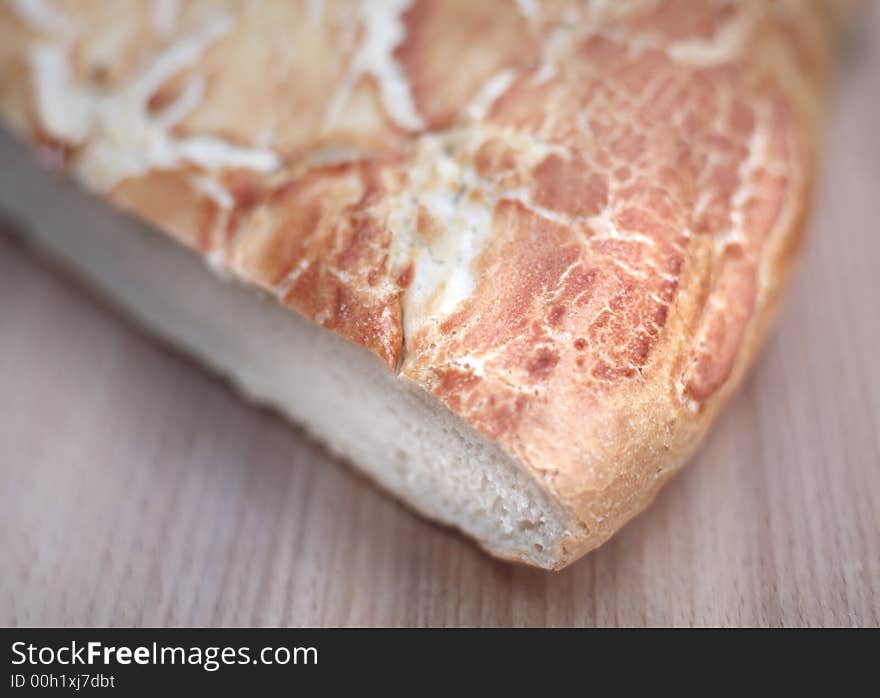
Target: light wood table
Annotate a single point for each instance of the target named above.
(137, 489)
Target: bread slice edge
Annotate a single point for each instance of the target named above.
(386, 425)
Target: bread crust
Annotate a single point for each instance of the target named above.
(576, 239)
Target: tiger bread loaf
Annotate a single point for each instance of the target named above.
(508, 258)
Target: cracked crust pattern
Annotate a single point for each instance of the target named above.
(569, 221)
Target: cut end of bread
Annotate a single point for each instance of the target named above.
(390, 428)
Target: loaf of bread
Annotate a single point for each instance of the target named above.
(508, 258)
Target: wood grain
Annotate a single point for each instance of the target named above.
(137, 490)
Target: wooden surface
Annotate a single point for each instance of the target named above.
(136, 489)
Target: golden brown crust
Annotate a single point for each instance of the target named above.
(574, 239)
